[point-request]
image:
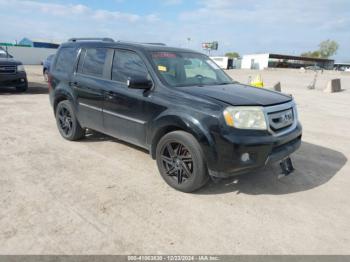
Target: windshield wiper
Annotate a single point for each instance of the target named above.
(204, 84)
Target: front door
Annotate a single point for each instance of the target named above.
(127, 112)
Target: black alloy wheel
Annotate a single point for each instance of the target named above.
(181, 161)
(177, 161)
(67, 122)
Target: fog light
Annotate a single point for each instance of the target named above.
(245, 157)
(22, 80)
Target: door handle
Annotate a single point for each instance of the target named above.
(73, 84)
(110, 94)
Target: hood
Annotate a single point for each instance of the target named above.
(238, 94)
(9, 61)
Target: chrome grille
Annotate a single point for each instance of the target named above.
(281, 118)
(8, 69)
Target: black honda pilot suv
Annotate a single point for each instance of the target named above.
(176, 103)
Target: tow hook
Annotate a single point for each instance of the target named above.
(286, 166)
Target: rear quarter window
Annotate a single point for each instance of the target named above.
(65, 60)
(92, 61)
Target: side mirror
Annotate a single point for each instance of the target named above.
(139, 83)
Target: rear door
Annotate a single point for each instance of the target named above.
(88, 83)
(63, 69)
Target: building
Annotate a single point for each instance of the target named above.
(26, 54)
(262, 61)
(39, 43)
(342, 66)
(223, 62)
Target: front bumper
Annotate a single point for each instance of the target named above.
(13, 80)
(262, 150)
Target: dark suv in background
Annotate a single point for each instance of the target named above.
(12, 73)
(176, 103)
(46, 66)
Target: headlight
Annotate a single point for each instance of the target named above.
(245, 117)
(20, 68)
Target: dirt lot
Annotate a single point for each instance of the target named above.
(100, 195)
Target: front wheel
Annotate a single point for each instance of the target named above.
(180, 161)
(22, 88)
(67, 122)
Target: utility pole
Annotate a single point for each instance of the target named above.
(188, 41)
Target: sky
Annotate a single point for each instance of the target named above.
(244, 26)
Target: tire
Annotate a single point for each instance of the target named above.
(46, 76)
(67, 122)
(22, 88)
(181, 162)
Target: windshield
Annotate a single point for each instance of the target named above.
(188, 69)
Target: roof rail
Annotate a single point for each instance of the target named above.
(140, 43)
(155, 44)
(104, 39)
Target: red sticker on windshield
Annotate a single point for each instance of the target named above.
(163, 55)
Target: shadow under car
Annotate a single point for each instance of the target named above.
(34, 88)
(314, 165)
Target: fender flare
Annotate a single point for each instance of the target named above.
(60, 95)
(169, 122)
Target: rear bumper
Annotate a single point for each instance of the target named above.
(262, 151)
(13, 80)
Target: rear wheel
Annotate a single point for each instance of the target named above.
(67, 122)
(180, 161)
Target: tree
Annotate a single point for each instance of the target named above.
(312, 54)
(326, 49)
(233, 55)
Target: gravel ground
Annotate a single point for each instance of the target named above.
(103, 196)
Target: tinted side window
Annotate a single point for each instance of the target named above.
(127, 64)
(65, 60)
(81, 61)
(92, 61)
